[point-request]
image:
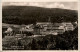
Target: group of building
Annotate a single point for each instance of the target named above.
(43, 28)
(53, 28)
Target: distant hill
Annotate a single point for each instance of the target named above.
(30, 14)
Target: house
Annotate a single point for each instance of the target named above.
(42, 23)
(45, 25)
(27, 28)
(57, 28)
(9, 31)
(68, 26)
(18, 36)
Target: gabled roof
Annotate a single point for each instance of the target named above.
(43, 22)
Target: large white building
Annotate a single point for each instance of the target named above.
(54, 28)
(50, 28)
(68, 26)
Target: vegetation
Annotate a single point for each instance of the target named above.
(31, 15)
(66, 41)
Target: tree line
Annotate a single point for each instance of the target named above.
(29, 14)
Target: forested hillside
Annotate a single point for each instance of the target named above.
(30, 14)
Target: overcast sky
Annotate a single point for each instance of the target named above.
(64, 5)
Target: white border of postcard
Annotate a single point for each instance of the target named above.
(38, 1)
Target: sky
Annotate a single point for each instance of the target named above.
(63, 5)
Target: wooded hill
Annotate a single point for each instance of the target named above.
(30, 14)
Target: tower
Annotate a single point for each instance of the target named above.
(49, 20)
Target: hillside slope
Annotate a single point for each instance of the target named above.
(30, 14)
